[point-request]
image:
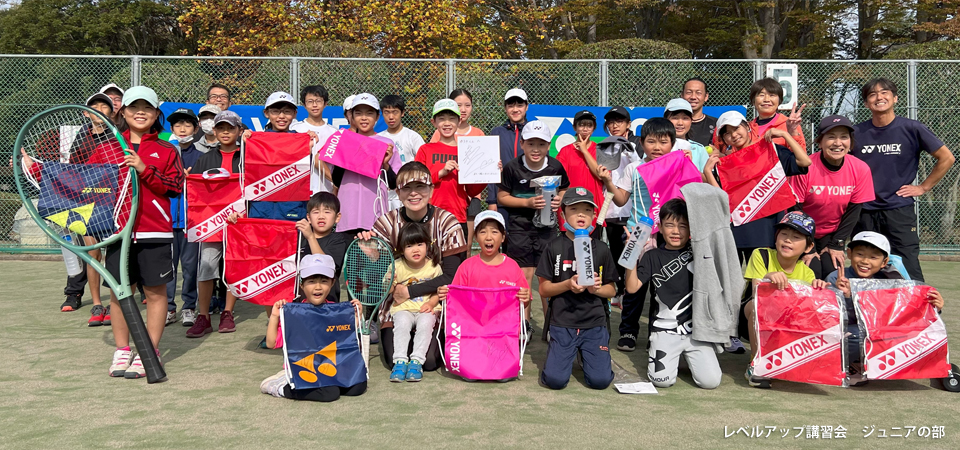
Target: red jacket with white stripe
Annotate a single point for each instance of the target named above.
(162, 179)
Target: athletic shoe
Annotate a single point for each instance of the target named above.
(96, 316)
(755, 381)
(263, 343)
(627, 343)
(399, 372)
(529, 327)
(274, 384)
(227, 325)
(200, 328)
(72, 303)
(121, 361)
(414, 371)
(188, 317)
(855, 378)
(171, 317)
(135, 370)
(374, 334)
(735, 346)
(616, 301)
(106, 316)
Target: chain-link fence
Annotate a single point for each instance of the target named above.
(34, 83)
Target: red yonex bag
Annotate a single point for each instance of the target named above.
(211, 197)
(755, 182)
(903, 336)
(800, 334)
(260, 260)
(276, 167)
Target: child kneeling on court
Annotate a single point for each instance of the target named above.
(671, 318)
(317, 273)
(793, 237)
(577, 315)
(869, 255)
(417, 262)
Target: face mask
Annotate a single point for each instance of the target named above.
(207, 126)
(185, 140)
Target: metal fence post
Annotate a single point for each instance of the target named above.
(912, 89)
(295, 77)
(451, 75)
(757, 69)
(604, 83)
(135, 71)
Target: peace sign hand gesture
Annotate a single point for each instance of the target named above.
(795, 119)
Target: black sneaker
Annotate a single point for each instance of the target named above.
(529, 327)
(627, 343)
(72, 303)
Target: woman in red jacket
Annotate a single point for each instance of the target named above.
(161, 177)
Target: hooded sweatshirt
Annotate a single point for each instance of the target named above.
(717, 281)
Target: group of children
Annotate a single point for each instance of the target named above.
(430, 218)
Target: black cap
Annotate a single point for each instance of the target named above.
(584, 115)
(578, 195)
(830, 122)
(798, 221)
(181, 114)
(617, 111)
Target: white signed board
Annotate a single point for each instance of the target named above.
(478, 157)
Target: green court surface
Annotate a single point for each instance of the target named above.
(55, 393)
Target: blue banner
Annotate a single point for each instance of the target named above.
(558, 117)
(320, 345)
(79, 197)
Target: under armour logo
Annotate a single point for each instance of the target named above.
(656, 360)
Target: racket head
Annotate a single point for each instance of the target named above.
(368, 270)
(81, 146)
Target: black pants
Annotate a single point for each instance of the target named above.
(821, 264)
(632, 309)
(900, 227)
(324, 394)
(77, 283)
(616, 236)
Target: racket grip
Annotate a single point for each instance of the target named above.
(607, 200)
(138, 331)
(366, 353)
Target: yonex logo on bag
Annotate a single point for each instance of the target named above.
(455, 348)
(326, 368)
(455, 330)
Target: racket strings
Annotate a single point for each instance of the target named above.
(71, 169)
(368, 268)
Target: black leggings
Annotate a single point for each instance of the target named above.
(324, 394)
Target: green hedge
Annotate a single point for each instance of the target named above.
(630, 49)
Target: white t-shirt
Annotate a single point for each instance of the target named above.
(317, 183)
(405, 144)
(626, 168)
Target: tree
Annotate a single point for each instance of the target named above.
(104, 27)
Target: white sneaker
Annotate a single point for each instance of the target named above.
(616, 301)
(171, 317)
(374, 334)
(273, 385)
(188, 317)
(135, 370)
(121, 361)
(735, 346)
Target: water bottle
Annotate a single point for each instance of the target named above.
(636, 240)
(547, 218)
(583, 251)
(71, 260)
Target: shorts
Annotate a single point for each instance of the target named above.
(210, 255)
(473, 208)
(526, 246)
(149, 264)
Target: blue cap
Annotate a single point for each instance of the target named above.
(581, 232)
(646, 220)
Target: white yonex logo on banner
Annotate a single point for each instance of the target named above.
(277, 180)
(216, 223)
(266, 278)
(759, 195)
(455, 348)
(798, 352)
(895, 359)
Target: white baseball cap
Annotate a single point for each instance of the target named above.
(682, 144)
(366, 99)
(536, 130)
(872, 238)
(678, 104)
(279, 97)
(733, 118)
(488, 215)
(312, 265)
(348, 102)
(516, 92)
(140, 93)
(445, 104)
(111, 86)
(212, 109)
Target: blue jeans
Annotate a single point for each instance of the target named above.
(185, 254)
(592, 343)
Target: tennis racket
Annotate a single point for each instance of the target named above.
(69, 176)
(368, 271)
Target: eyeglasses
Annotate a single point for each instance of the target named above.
(422, 189)
(219, 97)
(284, 111)
(314, 102)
